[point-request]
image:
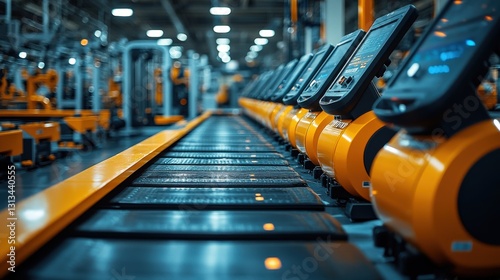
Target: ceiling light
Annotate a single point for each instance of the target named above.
(182, 37)
(256, 48)
(122, 12)
(72, 61)
(223, 54)
(41, 64)
(84, 42)
(226, 59)
(223, 48)
(175, 52)
(23, 54)
(222, 28)
(164, 42)
(98, 33)
(261, 41)
(252, 54)
(154, 33)
(222, 41)
(248, 59)
(266, 33)
(220, 11)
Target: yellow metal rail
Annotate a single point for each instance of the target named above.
(44, 215)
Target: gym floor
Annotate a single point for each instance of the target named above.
(30, 182)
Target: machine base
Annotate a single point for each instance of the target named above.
(359, 211)
(355, 209)
(407, 259)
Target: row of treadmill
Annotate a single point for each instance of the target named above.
(423, 156)
(224, 203)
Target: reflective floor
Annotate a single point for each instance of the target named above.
(30, 182)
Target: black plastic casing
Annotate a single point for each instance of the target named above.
(353, 86)
(305, 77)
(439, 92)
(310, 96)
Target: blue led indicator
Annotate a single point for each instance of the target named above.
(470, 43)
(438, 69)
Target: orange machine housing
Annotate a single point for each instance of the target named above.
(430, 190)
(346, 149)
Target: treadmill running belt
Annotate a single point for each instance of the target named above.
(219, 168)
(214, 180)
(208, 139)
(213, 224)
(221, 155)
(221, 161)
(217, 198)
(222, 148)
(97, 258)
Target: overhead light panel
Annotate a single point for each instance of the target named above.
(23, 54)
(261, 41)
(164, 42)
(175, 52)
(223, 48)
(266, 33)
(154, 33)
(222, 41)
(256, 48)
(220, 11)
(222, 28)
(252, 54)
(223, 54)
(122, 12)
(182, 37)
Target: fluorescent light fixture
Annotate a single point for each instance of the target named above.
(182, 37)
(226, 59)
(223, 48)
(252, 54)
(72, 61)
(98, 33)
(223, 54)
(220, 11)
(256, 48)
(164, 42)
(222, 28)
(232, 65)
(122, 12)
(266, 33)
(154, 33)
(41, 64)
(223, 41)
(261, 41)
(175, 52)
(23, 54)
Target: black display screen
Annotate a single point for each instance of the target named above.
(327, 69)
(369, 49)
(309, 71)
(451, 43)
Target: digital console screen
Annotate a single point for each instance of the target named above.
(327, 69)
(450, 44)
(309, 71)
(369, 49)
